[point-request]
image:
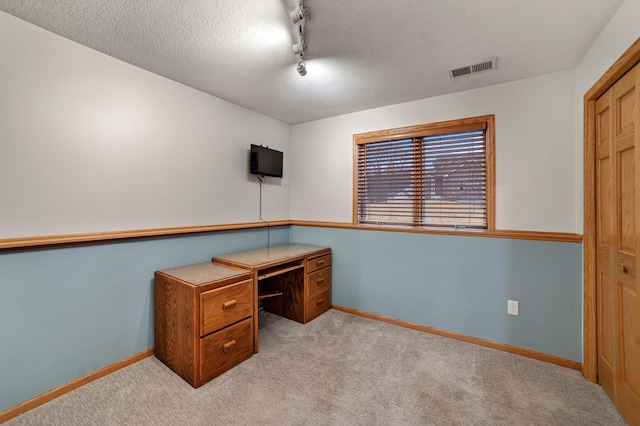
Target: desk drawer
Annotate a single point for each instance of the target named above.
(319, 281)
(318, 263)
(225, 349)
(317, 304)
(225, 305)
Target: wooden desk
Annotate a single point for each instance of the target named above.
(206, 314)
(293, 280)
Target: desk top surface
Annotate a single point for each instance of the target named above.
(268, 255)
(203, 273)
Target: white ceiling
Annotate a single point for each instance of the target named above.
(361, 54)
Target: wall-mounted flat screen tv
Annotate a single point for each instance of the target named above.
(265, 161)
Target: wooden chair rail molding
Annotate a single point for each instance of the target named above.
(98, 237)
(498, 233)
(60, 240)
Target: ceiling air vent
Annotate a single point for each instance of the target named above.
(489, 64)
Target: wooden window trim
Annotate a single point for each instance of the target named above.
(451, 126)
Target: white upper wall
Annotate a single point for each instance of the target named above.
(89, 143)
(621, 32)
(535, 158)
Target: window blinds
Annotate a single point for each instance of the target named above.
(432, 180)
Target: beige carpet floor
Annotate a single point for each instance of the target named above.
(341, 369)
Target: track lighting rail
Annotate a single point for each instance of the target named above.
(299, 16)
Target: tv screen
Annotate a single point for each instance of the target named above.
(265, 161)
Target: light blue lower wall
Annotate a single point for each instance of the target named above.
(66, 312)
(461, 284)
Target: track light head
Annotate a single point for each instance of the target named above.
(299, 47)
(300, 14)
(302, 68)
(297, 15)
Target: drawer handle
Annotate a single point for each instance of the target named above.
(319, 302)
(320, 280)
(320, 262)
(624, 269)
(229, 305)
(229, 346)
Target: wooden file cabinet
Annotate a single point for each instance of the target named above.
(203, 317)
(317, 286)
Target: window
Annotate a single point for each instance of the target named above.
(431, 175)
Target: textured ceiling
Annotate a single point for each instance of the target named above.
(361, 54)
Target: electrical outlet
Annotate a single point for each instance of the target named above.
(512, 307)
